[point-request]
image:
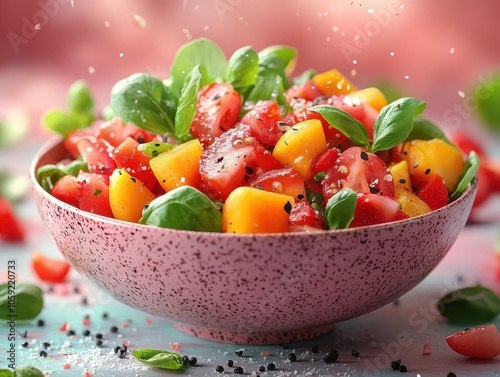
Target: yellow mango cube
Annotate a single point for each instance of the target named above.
(371, 96)
(410, 203)
(401, 175)
(332, 83)
(299, 145)
(250, 210)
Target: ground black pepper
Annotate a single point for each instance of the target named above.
(331, 357)
(403, 369)
(230, 363)
(192, 360)
(40, 322)
(364, 155)
(98, 335)
(25, 344)
(451, 374)
(185, 360)
(43, 353)
(315, 349)
(395, 364)
(114, 329)
(262, 368)
(292, 357)
(271, 366)
(238, 370)
(239, 352)
(219, 369)
(355, 353)
(86, 332)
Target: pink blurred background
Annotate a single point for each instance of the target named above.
(432, 50)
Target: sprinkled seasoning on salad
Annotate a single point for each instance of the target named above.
(238, 145)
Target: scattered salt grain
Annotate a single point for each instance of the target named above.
(106, 23)
(461, 94)
(139, 21)
(354, 61)
(335, 29)
(370, 10)
(121, 54)
(407, 77)
(391, 53)
(452, 50)
(91, 70)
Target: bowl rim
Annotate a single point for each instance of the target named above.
(56, 141)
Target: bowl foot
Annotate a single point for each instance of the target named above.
(255, 338)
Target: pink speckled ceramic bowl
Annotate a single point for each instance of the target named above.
(250, 289)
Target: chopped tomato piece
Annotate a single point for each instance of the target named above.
(93, 193)
(264, 120)
(217, 110)
(374, 209)
(116, 131)
(11, 229)
(482, 342)
(282, 181)
(97, 154)
(307, 91)
(325, 161)
(434, 193)
(303, 214)
(66, 190)
(49, 269)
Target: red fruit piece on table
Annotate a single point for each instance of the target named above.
(10, 228)
(49, 269)
(482, 342)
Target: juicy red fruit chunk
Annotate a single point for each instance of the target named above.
(482, 342)
(264, 121)
(372, 209)
(303, 214)
(93, 191)
(11, 229)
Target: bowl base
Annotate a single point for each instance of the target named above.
(255, 338)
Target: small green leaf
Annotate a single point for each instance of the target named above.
(345, 123)
(28, 300)
(154, 148)
(487, 98)
(145, 101)
(269, 86)
(424, 129)
(304, 77)
(14, 127)
(158, 358)
(395, 122)
(198, 52)
(183, 208)
(470, 305)
(48, 175)
(242, 69)
(60, 122)
(80, 99)
(339, 211)
(470, 169)
(6, 373)
(186, 108)
(277, 58)
(13, 186)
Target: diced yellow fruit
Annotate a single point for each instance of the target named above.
(178, 166)
(371, 96)
(127, 196)
(250, 210)
(426, 158)
(332, 83)
(299, 145)
(401, 175)
(410, 203)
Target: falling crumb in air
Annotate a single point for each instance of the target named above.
(452, 51)
(356, 37)
(205, 28)
(354, 61)
(461, 94)
(328, 39)
(353, 72)
(370, 10)
(91, 70)
(407, 77)
(335, 29)
(37, 27)
(106, 23)
(121, 54)
(139, 21)
(391, 53)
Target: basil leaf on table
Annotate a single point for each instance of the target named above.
(28, 298)
(475, 304)
(470, 169)
(339, 210)
(48, 175)
(395, 122)
(242, 69)
(183, 208)
(345, 123)
(26, 371)
(145, 101)
(158, 358)
(198, 52)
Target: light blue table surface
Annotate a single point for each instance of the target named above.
(392, 332)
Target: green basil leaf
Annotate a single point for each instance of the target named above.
(28, 300)
(487, 98)
(13, 186)
(145, 101)
(183, 208)
(345, 123)
(198, 52)
(304, 77)
(339, 211)
(277, 58)
(48, 175)
(80, 99)
(158, 358)
(269, 85)
(6, 373)
(470, 305)
(154, 148)
(14, 127)
(60, 122)
(470, 169)
(424, 129)
(395, 122)
(27, 371)
(242, 69)
(186, 108)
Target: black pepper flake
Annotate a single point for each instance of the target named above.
(114, 329)
(71, 333)
(84, 301)
(451, 374)
(364, 155)
(46, 345)
(185, 360)
(403, 369)
(331, 357)
(262, 368)
(24, 334)
(395, 364)
(355, 354)
(133, 179)
(300, 196)
(216, 97)
(288, 207)
(99, 342)
(402, 181)
(25, 344)
(220, 159)
(141, 140)
(86, 332)
(238, 370)
(315, 349)
(271, 366)
(219, 369)
(98, 335)
(239, 352)
(249, 170)
(427, 171)
(230, 363)
(43, 353)
(105, 315)
(40, 322)
(192, 360)
(292, 357)
(121, 353)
